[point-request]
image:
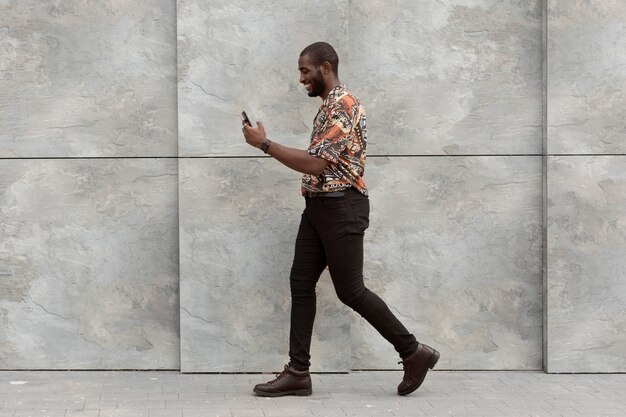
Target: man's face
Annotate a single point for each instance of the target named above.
(311, 76)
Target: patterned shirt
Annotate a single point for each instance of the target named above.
(340, 137)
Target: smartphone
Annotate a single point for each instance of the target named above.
(245, 118)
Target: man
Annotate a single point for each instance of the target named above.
(332, 226)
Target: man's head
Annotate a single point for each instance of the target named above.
(319, 68)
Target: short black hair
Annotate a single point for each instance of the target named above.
(321, 52)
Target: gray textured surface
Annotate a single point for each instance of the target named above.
(586, 77)
(243, 55)
(88, 255)
(87, 78)
(586, 290)
(585, 315)
(455, 78)
(448, 77)
(358, 394)
(89, 264)
(238, 223)
(454, 246)
(460, 77)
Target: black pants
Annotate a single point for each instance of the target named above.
(331, 233)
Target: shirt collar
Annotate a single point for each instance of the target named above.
(333, 94)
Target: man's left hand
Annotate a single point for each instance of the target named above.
(254, 135)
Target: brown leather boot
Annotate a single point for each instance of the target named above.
(415, 368)
(289, 382)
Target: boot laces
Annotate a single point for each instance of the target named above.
(280, 375)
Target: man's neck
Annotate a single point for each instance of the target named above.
(331, 86)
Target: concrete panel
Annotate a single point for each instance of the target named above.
(87, 78)
(463, 272)
(243, 54)
(586, 293)
(586, 77)
(238, 223)
(454, 247)
(88, 264)
(448, 77)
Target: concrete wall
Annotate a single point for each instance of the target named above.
(586, 183)
(88, 185)
(453, 96)
(117, 197)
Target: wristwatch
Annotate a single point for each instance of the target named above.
(265, 145)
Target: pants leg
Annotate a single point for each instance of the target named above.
(331, 233)
(341, 223)
(308, 263)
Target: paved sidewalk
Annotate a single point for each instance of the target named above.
(361, 394)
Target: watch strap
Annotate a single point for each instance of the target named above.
(265, 145)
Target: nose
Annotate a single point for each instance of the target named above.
(301, 79)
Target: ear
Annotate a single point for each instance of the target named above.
(326, 68)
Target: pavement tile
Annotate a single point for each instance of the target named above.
(43, 405)
(605, 411)
(164, 396)
(202, 396)
(100, 405)
(328, 412)
(82, 413)
(197, 388)
(207, 412)
(289, 402)
(132, 396)
(121, 412)
(287, 412)
(481, 411)
(193, 404)
(166, 413)
(247, 412)
(39, 413)
(359, 394)
(597, 402)
(141, 404)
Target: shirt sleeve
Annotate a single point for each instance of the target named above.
(333, 137)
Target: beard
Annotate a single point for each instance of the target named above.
(317, 84)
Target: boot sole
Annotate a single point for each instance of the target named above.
(431, 364)
(298, 393)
